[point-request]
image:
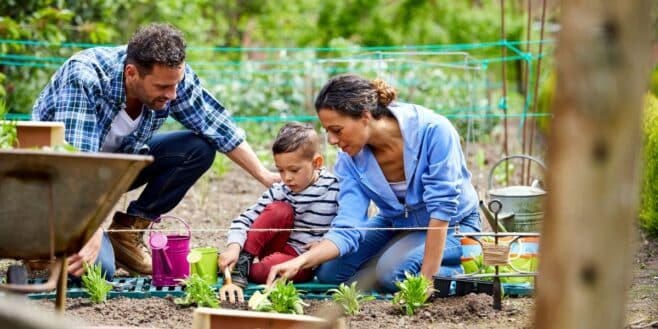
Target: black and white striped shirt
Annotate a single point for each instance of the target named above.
(315, 207)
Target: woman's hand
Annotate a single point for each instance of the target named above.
(311, 245)
(286, 270)
(434, 244)
(316, 255)
(229, 257)
(88, 254)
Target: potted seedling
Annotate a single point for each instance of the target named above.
(282, 297)
(349, 298)
(94, 281)
(197, 292)
(413, 294)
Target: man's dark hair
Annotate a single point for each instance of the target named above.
(156, 44)
(295, 135)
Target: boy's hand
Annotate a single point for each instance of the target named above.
(229, 257)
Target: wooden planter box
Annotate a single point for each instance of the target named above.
(39, 133)
(214, 318)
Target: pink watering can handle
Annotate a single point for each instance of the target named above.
(159, 219)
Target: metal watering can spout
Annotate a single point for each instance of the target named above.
(492, 219)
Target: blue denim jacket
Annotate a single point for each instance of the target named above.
(438, 183)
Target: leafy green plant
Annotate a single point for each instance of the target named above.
(648, 206)
(413, 293)
(349, 298)
(8, 134)
(282, 297)
(94, 281)
(198, 292)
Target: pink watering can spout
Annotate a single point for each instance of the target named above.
(158, 242)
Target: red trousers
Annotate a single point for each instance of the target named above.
(272, 247)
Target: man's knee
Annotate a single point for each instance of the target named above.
(201, 151)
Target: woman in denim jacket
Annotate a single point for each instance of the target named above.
(408, 161)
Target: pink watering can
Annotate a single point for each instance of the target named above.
(169, 253)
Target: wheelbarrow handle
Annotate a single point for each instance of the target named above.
(50, 285)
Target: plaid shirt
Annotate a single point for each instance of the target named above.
(88, 91)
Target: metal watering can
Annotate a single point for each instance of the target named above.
(522, 209)
(169, 255)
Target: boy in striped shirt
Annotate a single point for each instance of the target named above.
(305, 201)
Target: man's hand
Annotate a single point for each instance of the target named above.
(244, 156)
(88, 254)
(229, 257)
(285, 270)
(270, 178)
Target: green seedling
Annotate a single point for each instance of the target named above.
(197, 292)
(282, 297)
(94, 281)
(413, 294)
(349, 298)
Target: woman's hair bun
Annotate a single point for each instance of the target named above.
(385, 93)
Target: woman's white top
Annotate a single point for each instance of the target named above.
(400, 189)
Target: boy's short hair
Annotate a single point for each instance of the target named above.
(295, 135)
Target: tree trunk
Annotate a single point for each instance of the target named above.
(590, 224)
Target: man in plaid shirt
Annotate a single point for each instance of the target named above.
(114, 100)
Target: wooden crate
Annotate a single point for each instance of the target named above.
(39, 133)
(213, 318)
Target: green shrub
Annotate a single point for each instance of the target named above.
(649, 196)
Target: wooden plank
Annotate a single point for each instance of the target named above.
(588, 233)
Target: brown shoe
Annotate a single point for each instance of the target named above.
(129, 248)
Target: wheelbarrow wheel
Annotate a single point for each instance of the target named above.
(17, 274)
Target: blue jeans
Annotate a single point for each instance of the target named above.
(393, 253)
(106, 258)
(180, 158)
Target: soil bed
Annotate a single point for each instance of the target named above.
(213, 202)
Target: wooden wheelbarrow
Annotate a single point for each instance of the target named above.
(51, 203)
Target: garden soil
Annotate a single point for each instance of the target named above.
(213, 202)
